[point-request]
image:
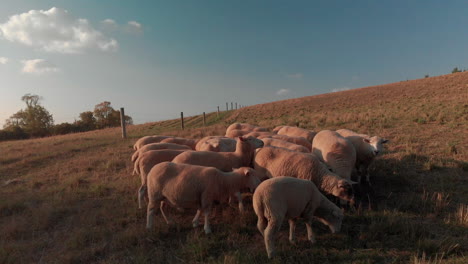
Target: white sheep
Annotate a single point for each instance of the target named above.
(276, 129)
(274, 162)
(146, 161)
(246, 127)
(235, 133)
(216, 144)
(188, 186)
(258, 134)
(181, 141)
(284, 144)
(285, 197)
(147, 140)
(296, 140)
(367, 148)
(225, 161)
(296, 132)
(336, 151)
(157, 146)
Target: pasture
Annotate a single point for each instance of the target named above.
(72, 198)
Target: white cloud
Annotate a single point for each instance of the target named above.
(3, 60)
(134, 27)
(55, 30)
(283, 92)
(109, 25)
(38, 66)
(340, 89)
(295, 76)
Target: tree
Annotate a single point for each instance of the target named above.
(34, 120)
(106, 116)
(455, 70)
(87, 121)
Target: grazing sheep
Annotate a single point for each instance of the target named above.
(147, 140)
(225, 161)
(276, 129)
(216, 144)
(235, 133)
(181, 141)
(274, 162)
(146, 161)
(189, 186)
(367, 148)
(296, 140)
(297, 132)
(284, 144)
(246, 127)
(157, 146)
(336, 151)
(291, 198)
(258, 134)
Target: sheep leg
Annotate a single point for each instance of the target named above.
(261, 224)
(141, 194)
(207, 227)
(292, 228)
(310, 233)
(195, 221)
(161, 207)
(239, 199)
(150, 214)
(270, 232)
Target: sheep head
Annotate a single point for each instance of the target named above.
(344, 190)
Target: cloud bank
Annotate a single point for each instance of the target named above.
(3, 60)
(38, 67)
(55, 30)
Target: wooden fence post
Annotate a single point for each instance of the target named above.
(236, 106)
(218, 112)
(122, 123)
(182, 120)
(227, 109)
(232, 108)
(204, 119)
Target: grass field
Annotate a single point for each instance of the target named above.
(72, 198)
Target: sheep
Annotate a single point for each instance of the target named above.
(147, 140)
(235, 133)
(284, 144)
(291, 198)
(156, 146)
(187, 186)
(216, 144)
(335, 151)
(276, 129)
(367, 148)
(297, 132)
(181, 141)
(296, 140)
(274, 162)
(146, 161)
(225, 161)
(246, 127)
(258, 134)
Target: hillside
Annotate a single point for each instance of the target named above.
(72, 198)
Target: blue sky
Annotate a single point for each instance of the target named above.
(158, 58)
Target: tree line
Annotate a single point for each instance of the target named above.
(35, 121)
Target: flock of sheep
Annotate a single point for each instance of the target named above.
(288, 170)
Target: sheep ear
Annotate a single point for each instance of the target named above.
(366, 140)
(241, 138)
(247, 172)
(384, 140)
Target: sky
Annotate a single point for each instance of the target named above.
(159, 58)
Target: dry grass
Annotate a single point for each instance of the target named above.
(72, 199)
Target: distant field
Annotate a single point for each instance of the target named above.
(72, 198)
